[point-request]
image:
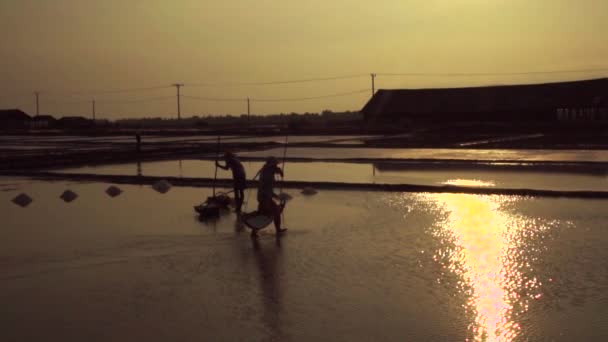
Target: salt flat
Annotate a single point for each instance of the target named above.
(355, 266)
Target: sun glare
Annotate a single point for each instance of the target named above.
(480, 231)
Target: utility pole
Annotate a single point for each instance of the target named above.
(37, 102)
(93, 109)
(248, 111)
(179, 111)
(373, 83)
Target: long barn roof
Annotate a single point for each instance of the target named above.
(13, 115)
(488, 99)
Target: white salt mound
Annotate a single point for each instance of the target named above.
(283, 196)
(113, 191)
(22, 200)
(162, 186)
(309, 191)
(68, 196)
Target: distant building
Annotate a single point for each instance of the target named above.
(43, 122)
(14, 119)
(579, 100)
(75, 122)
(102, 123)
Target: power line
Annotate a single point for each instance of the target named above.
(111, 91)
(8, 95)
(150, 99)
(319, 79)
(215, 99)
(313, 97)
(305, 80)
(88, 92)
(55, 102)
(96, 93)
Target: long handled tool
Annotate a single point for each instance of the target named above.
(217, 157)
(211, 207)
(284, 199)
(284, 156)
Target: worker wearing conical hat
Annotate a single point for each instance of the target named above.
(266, 196)
(238, 176)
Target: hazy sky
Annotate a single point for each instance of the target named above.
(64, 46)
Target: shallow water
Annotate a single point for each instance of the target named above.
(371, 173)
(61, 140)
(435, 153)
(355, 266)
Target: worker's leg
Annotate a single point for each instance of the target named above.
(241, 198)
(238, 198)
(276, 211)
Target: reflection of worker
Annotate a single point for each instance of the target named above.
(266, 204)
(270, 266)
(238, 176)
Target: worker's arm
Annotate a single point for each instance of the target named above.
(221, 166)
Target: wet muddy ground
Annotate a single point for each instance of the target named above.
(551, 177)
(520, 155)
(354, 266)
(42, 151)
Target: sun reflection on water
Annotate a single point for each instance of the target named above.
(469, 182)
(481, 239)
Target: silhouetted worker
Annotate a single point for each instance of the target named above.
(238, 176)
(266, 204)
(138, 140)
